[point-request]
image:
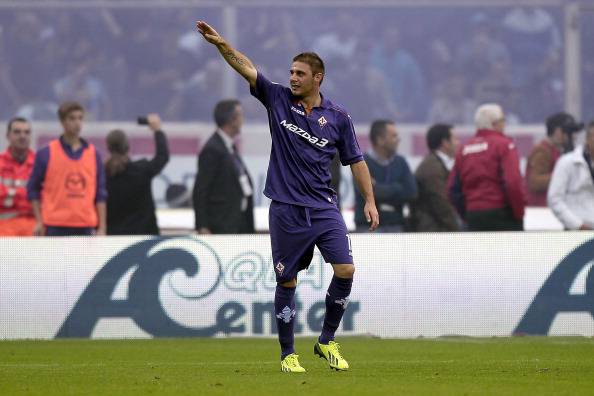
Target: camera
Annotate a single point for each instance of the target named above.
(142, 120)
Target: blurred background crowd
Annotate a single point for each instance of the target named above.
(414, 64)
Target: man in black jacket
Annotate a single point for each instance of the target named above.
(223, 191)
(130, 204)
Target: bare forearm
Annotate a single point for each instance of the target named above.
(238, 61)
(363, 179)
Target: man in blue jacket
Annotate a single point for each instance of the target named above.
(393, 183)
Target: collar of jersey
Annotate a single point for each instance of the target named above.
(324, 104)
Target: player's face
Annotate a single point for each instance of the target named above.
(19, 135)
(302, 80)
(73, 122)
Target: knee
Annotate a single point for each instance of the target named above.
(346, 271)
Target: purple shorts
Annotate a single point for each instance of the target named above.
(295, 230)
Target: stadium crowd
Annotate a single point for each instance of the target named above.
(118, 62)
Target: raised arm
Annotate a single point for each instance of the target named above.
(234, 58)
(363, 180)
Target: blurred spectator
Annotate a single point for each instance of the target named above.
(571, 192)
(358, 79)
(452, 104)
(393, 183)
(147, 50)
(80, 85)
(16, 163)
(28, 59)
(494, 86)
(485, 185)
(273, 37)
(67, 184)
(534, 43)
(482, 50)
(340, 40)
(432, 212)
(223, 192)
(533, 36)
(542, 158)
(196, 95)
(403, 75)
(130, 204)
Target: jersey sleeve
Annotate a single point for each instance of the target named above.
(348, 147)
(265, 90)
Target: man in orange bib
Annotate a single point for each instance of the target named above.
(67, 186)
(16, 163)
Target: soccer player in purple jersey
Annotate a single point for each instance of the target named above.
(307, 130)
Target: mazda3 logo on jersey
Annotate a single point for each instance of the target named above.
(304, 134)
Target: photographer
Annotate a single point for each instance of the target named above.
(130, 205)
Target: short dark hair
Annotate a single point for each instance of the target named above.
(224, 111)
(314, 61)
(67, 108)
(437, 134)
(378, 129)
(562, 120)
(13, 120)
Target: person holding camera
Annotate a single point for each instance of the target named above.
(130, 204)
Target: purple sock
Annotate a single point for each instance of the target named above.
(284, 310)
(337, 299)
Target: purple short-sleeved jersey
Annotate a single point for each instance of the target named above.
(303, 146)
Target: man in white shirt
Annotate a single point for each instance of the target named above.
(571, 192)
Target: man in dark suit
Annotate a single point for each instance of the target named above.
(223, 192)
(432, 211)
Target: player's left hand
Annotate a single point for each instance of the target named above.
(371, 215)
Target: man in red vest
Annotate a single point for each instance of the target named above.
(67, 186)
(16, 163)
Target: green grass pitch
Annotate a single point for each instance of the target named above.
(247, 366)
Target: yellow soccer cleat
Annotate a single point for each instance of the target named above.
(290, 364)
(331, 353)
